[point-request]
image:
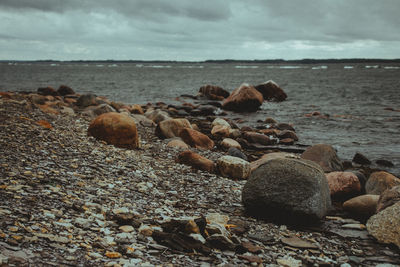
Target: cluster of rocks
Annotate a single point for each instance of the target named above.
(76, 200)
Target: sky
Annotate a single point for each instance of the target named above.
(187, 30)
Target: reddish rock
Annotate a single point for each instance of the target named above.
(170, 128)
(343, 184)
(364, 205)
(65, 90)
(70, 101)
(7, 95)
(258, 138)
(325, 156)
(196, 139)
(243, 99)
(196, 161)
(388, 198)
(271, 91)
(115, 129)
(47, 91)
(136, 109)
(220, 131)
(270, 132)
(287, 134)
(286, 141)
(44, 124)
(213, 92)
(270, 120)
(378, 182)
(48, 109)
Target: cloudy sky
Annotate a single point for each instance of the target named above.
(198, 30)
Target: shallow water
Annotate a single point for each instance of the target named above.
(353, 95)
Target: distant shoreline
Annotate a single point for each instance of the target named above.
(223, 61)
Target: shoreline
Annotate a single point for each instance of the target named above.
(66, 197)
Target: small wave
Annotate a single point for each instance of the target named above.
(54, 65)
(158, 66)
(319, 68)
(191, 67)
(246, 67)
(139, 65)
(113, 65)
(372, 67)
(391, 67)
(99, 65)
(289, 67)
(348, 67)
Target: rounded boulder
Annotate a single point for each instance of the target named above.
(115, 129)
(325, 155)
(243, 99)
(288, 190)
(379, 181)
(233, 167)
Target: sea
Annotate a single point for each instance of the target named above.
(360, 103)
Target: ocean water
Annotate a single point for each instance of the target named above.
(354, 96)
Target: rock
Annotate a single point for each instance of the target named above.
(116, 129)
(298, 243)
(235, 152)
(220, 131)
(171, 128)
(289, 190)
(286, 141)
(361, 159)
(101, 109)
(363, 206)
(385, 226)
(228, 143)
(288, 134)
(196, 139)
(289, 262)
(271, 91)
(267, 157)
(380, 181)
(142, 120)
(213, 92)
(86, 100)
(384, 163)
(157, 115)
(196, 161)
(343, 184)
(233, 167)
(270, 120)
(388, 198)
(221, 242)
(258, 138)
(285, 126)
(67, 111)
(243, 99)
(47, 91)
(65, 90)
(325, 156)
(222, 122)
(177, 143)
(136, 109)
(204, 110)
(38, 99)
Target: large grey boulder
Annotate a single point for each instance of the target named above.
(288, 190)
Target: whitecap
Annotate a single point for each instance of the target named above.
(391, 67)
(246, 67)
(289, 67)
(348, 67)
(319, 67)
(372, 67)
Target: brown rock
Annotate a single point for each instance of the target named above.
(196, 161)
(385, 226)
(378, 182)
(286, 141)
(213, 92)
(343, 183)
(288, 134)
(65, 90)
(136, 109)
(115, 129)
(271, 91)
(177, 143)
(250, 247)
(364, 205)
(388, 198)
(196, 139)
(254, 137)
(170, 128)
(270, 120)
(325, 156)
(228, 143)
(38, 99)
(270, 132)
(47, 91)
(86, 100)
(220, 131)
(48, 109)
(298, 243)
(233, 167)
(243, 99)
(44, 124)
